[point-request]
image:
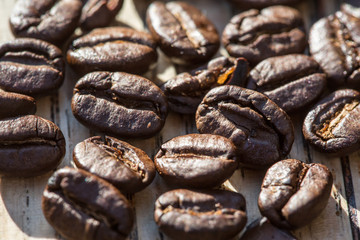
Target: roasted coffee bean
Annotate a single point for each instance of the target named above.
(333, 125)
(196, 160)
(31, 67)
(291, 81)
(126, 167)
(119, 104)
(184, 34)
(185, 91)
(262, 229)
(257, 35)
(334, 43)
(50, 20)
(261, 130)
(14, 104)
(99, 13)
(29, 146)
(112, 49)
(247, 4)
(293, 193)
(194, 215)
(81, 206)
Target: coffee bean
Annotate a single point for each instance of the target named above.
(196, 160)
(332, 126)
(293, 193)
(261, 130)
(185, 91)
(30, 146)
(334, 44)
(247, 4)
(49, 20)
(81, 206)
(31, 67)
(119, 104)
(126, 167)
(14, 104)
(291, 81)
(193, 215)
(184, 34)
(112, 49)
(257, 35)
(99, 13)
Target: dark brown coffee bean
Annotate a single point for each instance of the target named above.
(14, 104)
(99, 13)
(247, 4)
(126, 167)
(196, 160)
(261, 130)
(293, 193)
(31, 67)
(291, 81)
(81, 206)
(186, 90)
(333, 125)
(119, 104)
(29, 146)
(194, 215)
(257, 35)
(50, 20)
(262, 229)
(334, 43)
(184, 34)
(112, 49)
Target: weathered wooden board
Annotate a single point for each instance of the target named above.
(20, 199)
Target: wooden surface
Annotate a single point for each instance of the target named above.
(20, 201)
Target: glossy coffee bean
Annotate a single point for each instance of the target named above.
(119, 104)
(293, 193)
(81, 206)
(196, 160)
(291, 81)
(247, 4)
(184, 34)
(126, 167)
(334, 42)
(261, 130)
(49, 20)
(30, 146)
(333, 125)
(14, 104)
(196, 215)
(30, 66)
(99, 13)
(186, 90)
(112, 49)
(257, 35)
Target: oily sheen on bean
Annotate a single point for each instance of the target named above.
(20, 104)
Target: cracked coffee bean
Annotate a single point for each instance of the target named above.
(291, 81)
(334, 43)
(185, 91)
(184, 34)
(294, 193)
(50, 20)
(332, 126)
(14, 104)
(81, 206)
(261, 130)
(196, 160)
(31, 66)
(113, 49)
(257, 35)
(126, 167)
(29, 146)
(247, 4)
(99, 13)
(119, 104)
(193, 215)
